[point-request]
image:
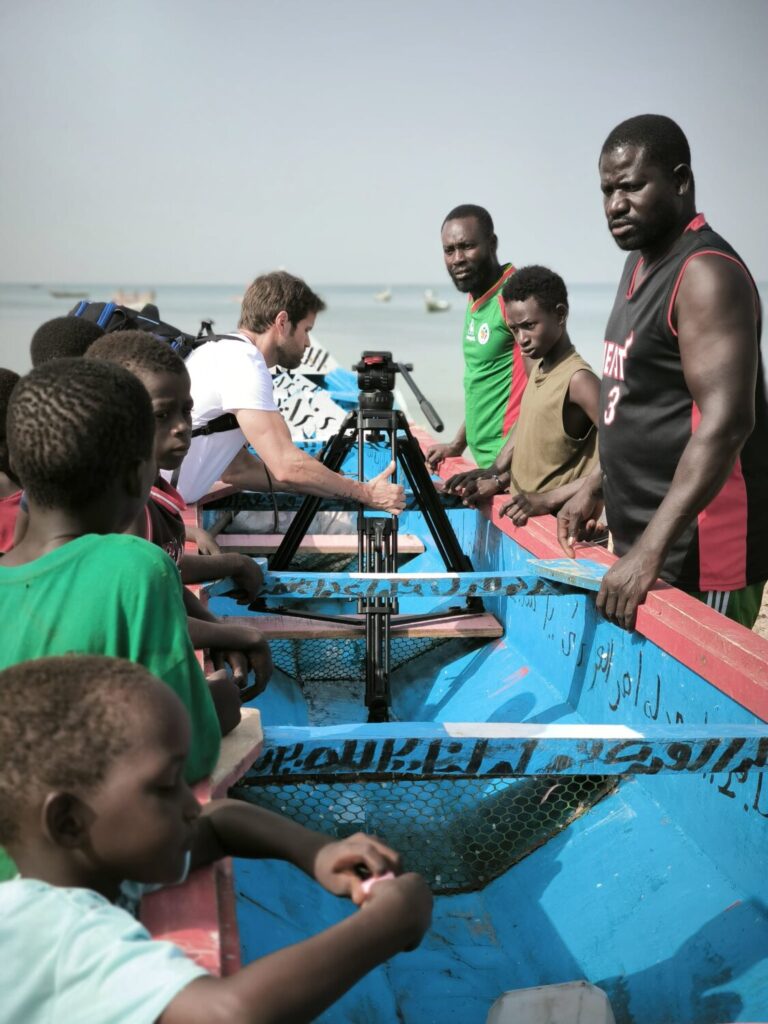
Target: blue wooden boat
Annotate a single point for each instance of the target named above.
(586, 803)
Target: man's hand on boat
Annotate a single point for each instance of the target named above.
(384, 496)
(438, 453)
(578, 518)
(626, 584)
(524, 506)
(477, 485)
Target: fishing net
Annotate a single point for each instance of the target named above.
(460, 833)
(332, 660)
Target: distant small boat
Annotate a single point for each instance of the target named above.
(64, 294)
(134, 300)
(384, 295)
(434, 304)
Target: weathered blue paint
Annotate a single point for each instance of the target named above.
(658, 894)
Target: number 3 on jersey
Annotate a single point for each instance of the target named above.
(610, 410)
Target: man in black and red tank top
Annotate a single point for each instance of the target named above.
(684, 420)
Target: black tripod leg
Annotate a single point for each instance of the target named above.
(429, 502)
(332, 458)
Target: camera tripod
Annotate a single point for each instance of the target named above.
(376, 420)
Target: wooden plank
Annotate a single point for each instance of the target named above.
(291, 627)
(390, 751)
(575, 572)
(348, 586)
(319, 543)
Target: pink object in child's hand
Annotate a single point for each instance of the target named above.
(368, 883)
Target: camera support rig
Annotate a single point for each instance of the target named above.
(377, 535)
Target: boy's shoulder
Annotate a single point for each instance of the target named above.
(28, 899)
(85, 952)
(97, 555)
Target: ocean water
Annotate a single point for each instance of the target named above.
(353, 322)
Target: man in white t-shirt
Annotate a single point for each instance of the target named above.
(232, 376)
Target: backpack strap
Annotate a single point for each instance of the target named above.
(227, 421)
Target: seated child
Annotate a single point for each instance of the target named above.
(62, 338)
(555, 441)
(10, 491)
(92, 793)
(81, 436)
(164, 375)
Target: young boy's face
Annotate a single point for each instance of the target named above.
(172, 406)
(142, 815)
(536, 330)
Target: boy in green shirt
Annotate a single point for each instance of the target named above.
(80, 436)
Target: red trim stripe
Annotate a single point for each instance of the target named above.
(697, 223)
(701, 252)
(722, 531)
(168, 496)
(477, 303)
(517, 387)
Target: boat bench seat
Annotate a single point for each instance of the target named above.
(574, 1002)
(317, 543)
(293, 627)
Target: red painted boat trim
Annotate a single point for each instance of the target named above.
(733, 659)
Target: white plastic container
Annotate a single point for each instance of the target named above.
(574, 1002)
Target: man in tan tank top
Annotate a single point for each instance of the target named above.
(555, 443)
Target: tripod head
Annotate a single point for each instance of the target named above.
(376, 380)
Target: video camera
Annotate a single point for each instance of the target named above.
(376, 380)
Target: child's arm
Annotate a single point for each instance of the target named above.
(298, 983)
(243, 570)
(236, 828)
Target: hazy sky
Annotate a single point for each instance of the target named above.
(169, 141)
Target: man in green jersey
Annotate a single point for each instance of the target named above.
(494, 371)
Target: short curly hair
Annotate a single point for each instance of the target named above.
(544, 285)
(272, 293)
(662, 139)
(65, 720)
(63, 337)
(480, 214)
(74, 426)
(138, 351)
(8, 380)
